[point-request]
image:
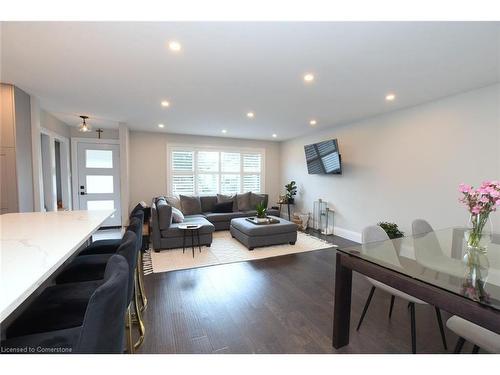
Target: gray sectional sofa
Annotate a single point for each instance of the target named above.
(165, 233)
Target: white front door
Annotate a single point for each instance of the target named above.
(99, 179)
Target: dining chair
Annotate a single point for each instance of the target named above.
(428, 251)
(98, 331)
(482, 338)
(376, 240)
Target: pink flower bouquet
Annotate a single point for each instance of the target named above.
(480, 202)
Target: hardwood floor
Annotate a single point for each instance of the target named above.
(275, 305)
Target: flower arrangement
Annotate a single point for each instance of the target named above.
(480, 202)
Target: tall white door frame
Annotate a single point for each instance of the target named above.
(65, 170)
(75, 162)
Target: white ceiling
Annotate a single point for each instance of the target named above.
(121, 71)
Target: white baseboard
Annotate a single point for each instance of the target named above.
(348, 234)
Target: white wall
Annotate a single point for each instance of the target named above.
(148, 161)
(406, 164)
(50, 122)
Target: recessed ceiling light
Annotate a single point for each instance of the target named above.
(224, 131)
(161, 126)
(275, 135)
(308, 77)
(250, 115)
(312, 122)
(174, 46)
(390, 97)
(165, 103)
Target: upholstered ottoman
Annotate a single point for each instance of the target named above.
(252, 235)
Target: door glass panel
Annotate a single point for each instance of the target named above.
(98, 159)
(101, 205)
(99, 184)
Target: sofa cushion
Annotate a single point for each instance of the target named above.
(256, 199)
(218, 217)
(190, 205)
(243, 201)
(228, 198)
(164, 213)
(174, 231)
(177, 216)
(208, 203)
(223, 207)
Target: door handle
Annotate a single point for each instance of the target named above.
(82, 193)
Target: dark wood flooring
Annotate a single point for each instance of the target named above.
(276, 305)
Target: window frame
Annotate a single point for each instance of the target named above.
(220, 149)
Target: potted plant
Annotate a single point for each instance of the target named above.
(291, 191)
(391, 229)
(261, 212)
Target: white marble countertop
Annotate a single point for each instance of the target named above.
(34, 245)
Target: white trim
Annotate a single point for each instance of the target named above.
(189, 147)
(348, 234)
(95, 140)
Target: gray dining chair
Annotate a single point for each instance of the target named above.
(429, 254)
(482, 338)
(371, 238)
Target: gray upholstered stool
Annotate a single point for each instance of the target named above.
(252, 235)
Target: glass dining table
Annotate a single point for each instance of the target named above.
(435, 267)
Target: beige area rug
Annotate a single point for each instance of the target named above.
(225, 249)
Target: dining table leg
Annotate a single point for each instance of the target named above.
(342, 304)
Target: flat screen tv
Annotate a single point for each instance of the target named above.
(323, 158)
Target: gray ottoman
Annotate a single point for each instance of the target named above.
(252, 235)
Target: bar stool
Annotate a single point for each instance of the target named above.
(96, 332)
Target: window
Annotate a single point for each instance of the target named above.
(209, 171)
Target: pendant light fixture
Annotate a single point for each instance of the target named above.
(84, 127)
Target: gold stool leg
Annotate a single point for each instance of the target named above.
(140, 275)
(137, 310)
(128, 329)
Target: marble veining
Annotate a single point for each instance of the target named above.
(34, 245)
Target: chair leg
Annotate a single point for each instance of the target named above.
(128, 329)
(459, 345)
(475, 349)
(441, 328)
(137, 310)
(392, 305)
(140, 275)
(413, 329)
(366, 307)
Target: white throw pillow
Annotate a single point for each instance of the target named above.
(177, 216)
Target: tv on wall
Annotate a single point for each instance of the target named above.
(323, 158)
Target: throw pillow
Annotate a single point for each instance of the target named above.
(190, 205)
(224, 207)
(227, 198)
(256, 199)
(177, 216)
(174, 202)
(164, 214)
(243, 202)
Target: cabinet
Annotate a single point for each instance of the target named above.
(16, 165)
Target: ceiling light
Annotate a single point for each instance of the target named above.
(224, 131)
(165, 103)
(275, 135)
(84, 127)
(250, 115)
(309, 77)
(312, 122)
(390, 97)
(174, 46)
(161, 126)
